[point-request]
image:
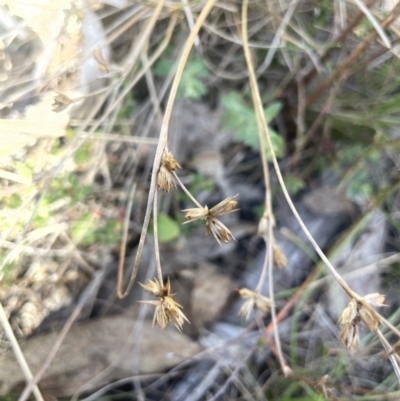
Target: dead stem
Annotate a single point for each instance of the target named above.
(194, 200)
(261, 123)
(156, 244)
(18, 353)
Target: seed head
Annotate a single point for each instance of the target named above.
(214, 226)
(165, 178)
(155, 288)
(354, 313)
(218, 230)
(367, 316)
(350, 320)
(196, 213)
(279, 257)
(375, 299)
(224, 207)
(173, 312)
(254, 301)
(167, 310)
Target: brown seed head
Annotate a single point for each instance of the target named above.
(350, 320)
(254, 301)
(214, 227)
(349, 335)
(167, 310)
(368, 317)
(370, 320)
(165, 178)
(218, 230)
(224, 207)
(349, 313)
(375, 299)
(155, 288)
(279, 257)
(169, 162)
(174, 314)
(196, 213)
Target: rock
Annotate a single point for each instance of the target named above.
(95, 345)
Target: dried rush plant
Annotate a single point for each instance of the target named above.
(360, 308)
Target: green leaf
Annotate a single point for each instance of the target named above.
(293, 183)
(272, 111)
(168, 229)
(191, 86)
(23, 170)
(241, 118)
(83, 231)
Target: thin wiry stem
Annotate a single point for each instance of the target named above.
(18, 352)
(122, 250)
(374, 23)
(286, 370)
(156, 244)
(186, 190)
(263, 127)
(389, 348)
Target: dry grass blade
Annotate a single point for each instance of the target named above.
(374, 23)
(18, 353)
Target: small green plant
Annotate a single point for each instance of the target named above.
(241, 117)
(191, 86)
(294, 184)
(168, 229)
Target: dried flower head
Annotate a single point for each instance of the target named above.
(353, 314)
(224, 207)
(218, 230)
(61, 102)
(165, 178)
(174, 313)
(196, 213)
(213, 226)
(279, 257)
(155, 288)
(368, 317)
(167, 310)
(350, 320)
(254, 301)
(375, 299)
